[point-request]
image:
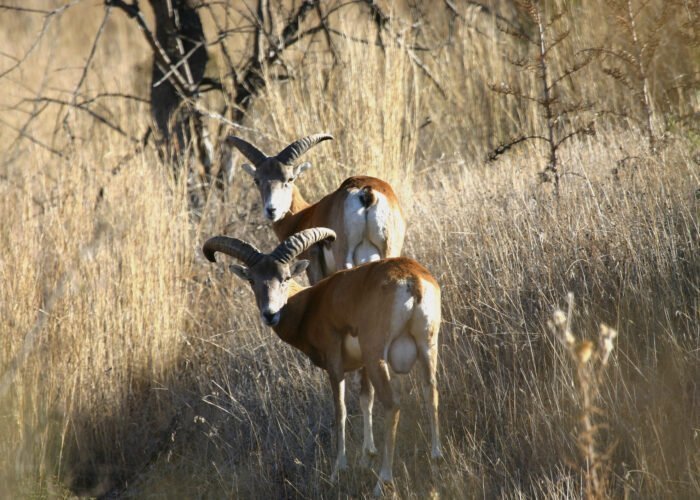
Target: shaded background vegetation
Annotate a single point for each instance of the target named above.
(132, 367)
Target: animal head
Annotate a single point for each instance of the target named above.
(268, 274)
(275, 175)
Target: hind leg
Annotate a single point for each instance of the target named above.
(354, 219)
(378, 372)
(427, 356)
(366, 402)
(366, 252)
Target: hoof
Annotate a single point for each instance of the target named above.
(367, 455)
(336, 470)
(384, 488)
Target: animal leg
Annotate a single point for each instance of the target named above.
(378, 372)
(354, 220)
(428, 377)
(366, 402)
(337, 381)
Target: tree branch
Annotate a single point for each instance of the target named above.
(493, 155)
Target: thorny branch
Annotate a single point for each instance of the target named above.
(493, 155)
(81, 107)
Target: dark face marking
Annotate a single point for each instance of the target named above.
(269, 279)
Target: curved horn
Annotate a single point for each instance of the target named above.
(299, 242)
(250, 151)
(234, 247)
(289, 154)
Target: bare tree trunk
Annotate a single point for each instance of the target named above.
(547, 101)
(645, 98)
(179, 32)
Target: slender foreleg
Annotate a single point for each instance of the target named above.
(366, 402)
(337, 381)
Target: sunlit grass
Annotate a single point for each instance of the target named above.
(150, 372)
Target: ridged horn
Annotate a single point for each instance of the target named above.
(289, 154)
(250, 151)
(299, 242)
(245, 252)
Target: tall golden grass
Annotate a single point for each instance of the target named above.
(137, 369)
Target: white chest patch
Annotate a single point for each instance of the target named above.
(351, 349)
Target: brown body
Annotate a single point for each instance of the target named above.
(381, 317)
(357, 303)
(364, 211)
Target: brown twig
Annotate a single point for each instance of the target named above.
(48, 17)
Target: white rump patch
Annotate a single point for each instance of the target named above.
(428, 311)
(401, 350)
(366, 229)
(378, 221)
(354, 219)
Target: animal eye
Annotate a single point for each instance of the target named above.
(290, 180)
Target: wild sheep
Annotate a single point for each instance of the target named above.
(364, 211)
(376, 316)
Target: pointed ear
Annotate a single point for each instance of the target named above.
(240, 271)
(249, 169)
(299, 169)
(299, 267)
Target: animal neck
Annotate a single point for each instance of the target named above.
(290, 327)
(295, 287)
(298, 201)
(288, 225)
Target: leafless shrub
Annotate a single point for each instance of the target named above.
(560, 112)
(150, 374)
(629, 59)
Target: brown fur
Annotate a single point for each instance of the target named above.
(359, 302)
(313, 313)
(374, 316)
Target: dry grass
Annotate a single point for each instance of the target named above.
(151, 374)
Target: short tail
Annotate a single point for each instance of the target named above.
(367, 197)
